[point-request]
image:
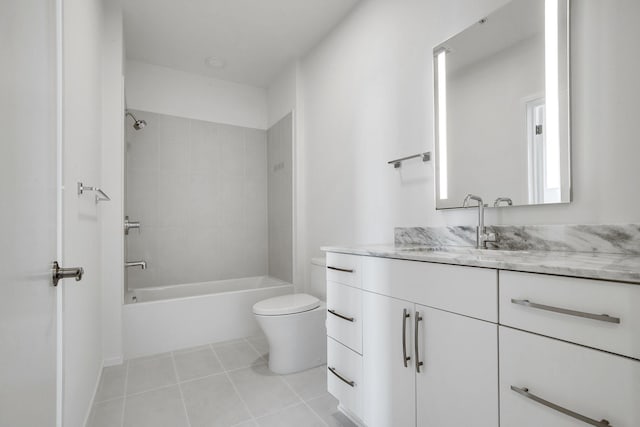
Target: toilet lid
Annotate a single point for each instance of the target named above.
(286, 304)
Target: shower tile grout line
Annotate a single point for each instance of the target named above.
(184, 404)
(226, 373)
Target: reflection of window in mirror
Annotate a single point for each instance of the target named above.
(544, 185)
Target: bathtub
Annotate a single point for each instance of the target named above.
(167, 318)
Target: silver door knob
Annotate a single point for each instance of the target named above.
(58, 273)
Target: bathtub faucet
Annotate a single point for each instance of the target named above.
(141, 264)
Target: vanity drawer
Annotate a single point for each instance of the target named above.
(572, 309)
(344, 317)
(588, 382)
(344, 376)
(469, 291)
(345, 269)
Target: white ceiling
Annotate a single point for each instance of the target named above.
(255, 38)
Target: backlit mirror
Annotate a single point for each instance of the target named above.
(502, 108)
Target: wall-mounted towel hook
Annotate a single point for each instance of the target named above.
(101, 196)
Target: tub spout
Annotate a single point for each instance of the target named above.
(141, 264)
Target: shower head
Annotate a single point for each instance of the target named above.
(137, 124)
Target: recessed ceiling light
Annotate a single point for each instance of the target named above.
(215, 62)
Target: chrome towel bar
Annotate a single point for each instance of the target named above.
(426, 156)
(101, 196)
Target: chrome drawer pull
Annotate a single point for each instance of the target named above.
(418, 362)
(342, 316)
(405, 316)
(525, 392)
(600, 317)
(343, 379)
(344, 270)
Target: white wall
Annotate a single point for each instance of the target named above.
(281, 95)
(113, 182)
(177, 93)
(368, 97)
(82, 138)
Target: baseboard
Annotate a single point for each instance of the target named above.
(357, 421)
(93, 397)
(113, 361)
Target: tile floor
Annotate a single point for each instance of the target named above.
(224, 384)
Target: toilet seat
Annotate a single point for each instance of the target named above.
(286, 304)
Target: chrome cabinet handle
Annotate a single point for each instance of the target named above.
(600, 317)
(342, 316)
(58, 273)
(405, 316)
(343, 379)
(525, 392)
(344, 270)
(416, 335)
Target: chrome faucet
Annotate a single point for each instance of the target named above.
(499, 200)
(482, 237)
(141, 264)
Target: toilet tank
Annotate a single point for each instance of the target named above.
(318, 280)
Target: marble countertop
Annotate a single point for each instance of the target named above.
(603, 266)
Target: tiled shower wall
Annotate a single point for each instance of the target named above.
(199, 190)
(280, 198)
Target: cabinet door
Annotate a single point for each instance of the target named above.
(537, 373)
(389, 386)
(458, 380)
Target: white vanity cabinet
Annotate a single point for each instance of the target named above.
(404, 311)
(421, 344)
(446, 377)
(553, 370)
(424, 366)
(344, 331)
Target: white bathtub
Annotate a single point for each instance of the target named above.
(169, 318)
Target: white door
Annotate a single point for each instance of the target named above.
(389, 385)
(458, 380)
(28, 213)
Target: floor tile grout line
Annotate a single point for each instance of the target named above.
(255, 349)
(184, 404)
(124, 398)
(226, 373)
(277, 411)
(304, 402)
(162, 387)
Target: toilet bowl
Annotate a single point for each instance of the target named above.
(295, 329)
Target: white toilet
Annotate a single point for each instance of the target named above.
(295, 329)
